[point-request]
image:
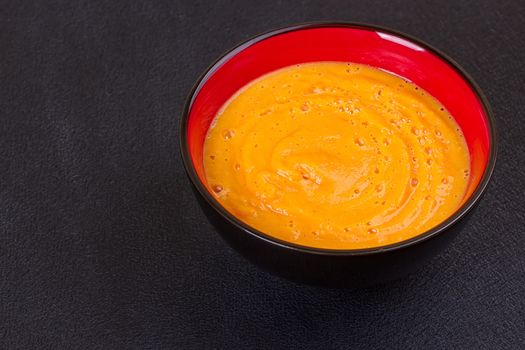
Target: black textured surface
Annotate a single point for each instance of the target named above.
(103, 246)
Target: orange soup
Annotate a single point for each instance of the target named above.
(336, 155)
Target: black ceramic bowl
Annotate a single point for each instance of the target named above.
(375, 46)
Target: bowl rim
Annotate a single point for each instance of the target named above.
(436, 230)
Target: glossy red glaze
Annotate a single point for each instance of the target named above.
(377, 48)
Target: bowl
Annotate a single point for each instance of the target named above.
(379, 47)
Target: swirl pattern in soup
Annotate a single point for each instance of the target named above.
(336, 155)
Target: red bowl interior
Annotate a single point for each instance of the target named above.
(379, 48)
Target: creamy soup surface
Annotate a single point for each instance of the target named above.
(336, 155)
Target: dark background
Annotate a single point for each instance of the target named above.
(103, 246)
